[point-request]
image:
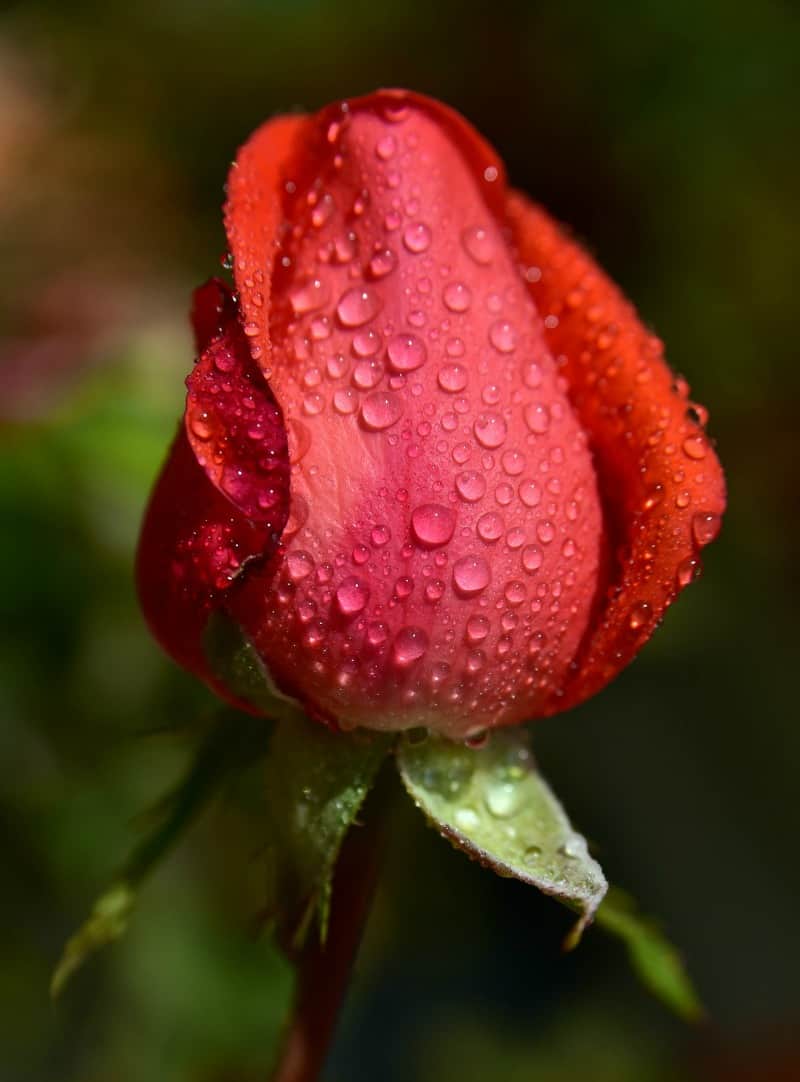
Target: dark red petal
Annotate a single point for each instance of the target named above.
(222, 497)
(213, 308)
(237, 432)
(660, 480)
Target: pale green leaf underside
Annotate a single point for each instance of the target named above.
(494, 804)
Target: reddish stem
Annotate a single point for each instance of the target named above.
(324, 970)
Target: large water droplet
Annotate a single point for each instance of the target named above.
(477, 628)
(478, 244)
(490, 527)
(471, 575)
(433, 524)
(532, 558)
(452, 378)
(457, 297)
(382, 263)
(299, 565)
(308, 295)
(409, 646)
(345, 400)
(470, 485)
(537, 417)
(357, 306)
(705, 527)
(503, 336)
(406, 352)
(503, 799)
(352, 596)
(416, 237)
(381, 409)
(490, 430)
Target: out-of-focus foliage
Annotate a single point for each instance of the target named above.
(663, 133)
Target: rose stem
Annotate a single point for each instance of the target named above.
(323, 970)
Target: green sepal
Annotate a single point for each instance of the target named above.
(655, 960)
(493, 803)
(316, 782)
(233, 742)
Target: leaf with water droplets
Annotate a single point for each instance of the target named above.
(655, 960)
(493, 803)
(316, 782)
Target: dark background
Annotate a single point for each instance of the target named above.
(663, 133)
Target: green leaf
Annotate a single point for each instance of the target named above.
(655, 960)
(316, 783)
(494, 804)
(234, 741)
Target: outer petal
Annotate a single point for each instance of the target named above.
(204, 524)
(661, 482)
(441, 560)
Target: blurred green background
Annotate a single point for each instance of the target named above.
(664, 134)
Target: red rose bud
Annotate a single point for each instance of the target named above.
(493, 485)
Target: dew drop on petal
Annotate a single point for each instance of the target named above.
(503, 336)
(433, 524)
(381, 409)
(352, 596)
(409, 646)
(416, 237)
(478, 245)
(471, 575)
(357, 306)
(452, 378)
(457, 297)
(490, 430)
(406, 352)
(470, 485)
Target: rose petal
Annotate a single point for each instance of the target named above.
(237, 432)
(435, 571)
(218, 503)
(660, 479)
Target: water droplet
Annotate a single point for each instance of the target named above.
(478, 244)
(366, 343)
(406, 352)
(382, 263)
(466, 818)
(471, 575)
(532, 557)
(490, 527)
(308, 295)
(452, 378)
(386, 147)
(687, 570)
(477, 628)
(490, 430)
(639, 615)
(433, 524)
(409, 646)
(323, 211)
(457, 297)
(503, 799)
(470, 485)
(200, 426)
(545, 531)
(515, 592)
(503, 336)
(357, 306)
(434, 590)
(695, 447)
(380, 536)
(381, 409)
(537, 417)
(315, 634)
(572, 848)
(377, 633)
(403, 587)
(367, 374)
(532, 854)
(352, 596)
(299, 565)
(345, 401)
(530, 493)
(705, 527)
(416, 237)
